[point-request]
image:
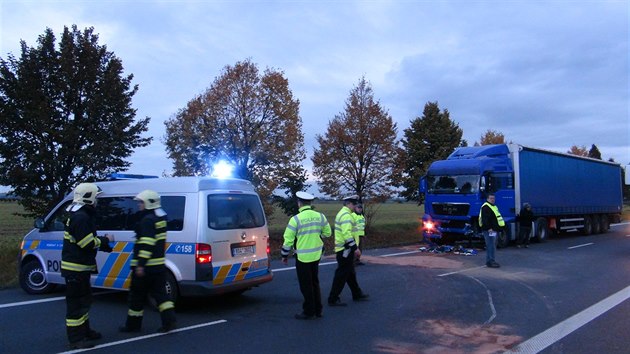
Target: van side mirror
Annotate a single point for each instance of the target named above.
(39, 223)
(423, 185)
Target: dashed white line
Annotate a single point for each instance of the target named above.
(134, 339)
(582, 245)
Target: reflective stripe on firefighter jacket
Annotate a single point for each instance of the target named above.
(345, 233)
(495, 210)
(305, 230)
(148, 250)
(80, 242)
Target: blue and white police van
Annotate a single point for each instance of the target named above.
(217, 237)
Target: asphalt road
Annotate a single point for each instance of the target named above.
(568, 295)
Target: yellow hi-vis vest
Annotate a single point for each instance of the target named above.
(307, 227)
(495, 209)
(345, 229)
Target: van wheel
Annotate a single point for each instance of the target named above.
(33, 278)
(171, 286)
(541, 230)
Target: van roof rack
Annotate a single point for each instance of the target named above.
(120, 176)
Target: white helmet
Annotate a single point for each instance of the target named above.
(85, 194)
(150, 199)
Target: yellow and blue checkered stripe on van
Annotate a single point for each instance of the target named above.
(235, 272)
(116, 271)
(30, 246)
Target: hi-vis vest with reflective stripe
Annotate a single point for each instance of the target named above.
(148, 250)
(494, 209)
(345, 229)
(360, 221)
(307, 227)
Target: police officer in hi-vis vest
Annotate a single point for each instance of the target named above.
(305, 231)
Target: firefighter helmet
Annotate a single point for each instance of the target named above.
(150, 199)
(85, 194)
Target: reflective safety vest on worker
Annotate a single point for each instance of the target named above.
(346, 236)
(495, 210)
(304, 231)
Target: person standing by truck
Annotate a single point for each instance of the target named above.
(78, 263)
(148, 271)
(304, 232)
(491, 223)
(525, 220)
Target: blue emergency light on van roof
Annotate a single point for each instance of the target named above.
(118, 176)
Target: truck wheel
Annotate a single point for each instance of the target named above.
(596, 224)
(588, 226)
(502, 239)
(604, 224)
(33, 278)
(541, 230)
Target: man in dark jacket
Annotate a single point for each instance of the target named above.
(491, 223)
(78, 262)
(148, 271)
(525, 220)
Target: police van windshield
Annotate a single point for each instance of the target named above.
(455, 184)
(234, 211)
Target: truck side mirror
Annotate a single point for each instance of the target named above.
(423, 185)
(482, 184)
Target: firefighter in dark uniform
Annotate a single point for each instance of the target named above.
(78, 262)
(147, 265)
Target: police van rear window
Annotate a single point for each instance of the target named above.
(234, 211)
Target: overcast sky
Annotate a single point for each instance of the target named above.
(547, 74)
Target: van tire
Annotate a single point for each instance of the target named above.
(33, 278)
(170, 285)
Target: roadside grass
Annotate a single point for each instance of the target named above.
(12, 230)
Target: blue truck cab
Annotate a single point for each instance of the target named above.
(566, 192)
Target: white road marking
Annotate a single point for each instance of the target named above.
(490, 302)
(578, 246)
(460, 271)
(58, 298)
(329, 263)
(546, 338)
(400, 254)
(135, 339)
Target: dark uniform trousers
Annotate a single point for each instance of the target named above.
(78, 302)
(345, 273)
(308, 277)
(152, 284)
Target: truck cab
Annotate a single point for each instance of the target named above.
(456, 188)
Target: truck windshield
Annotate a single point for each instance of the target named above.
(456, 184)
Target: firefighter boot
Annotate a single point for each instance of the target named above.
(133, 324)
(91, 334)
(168, 321)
